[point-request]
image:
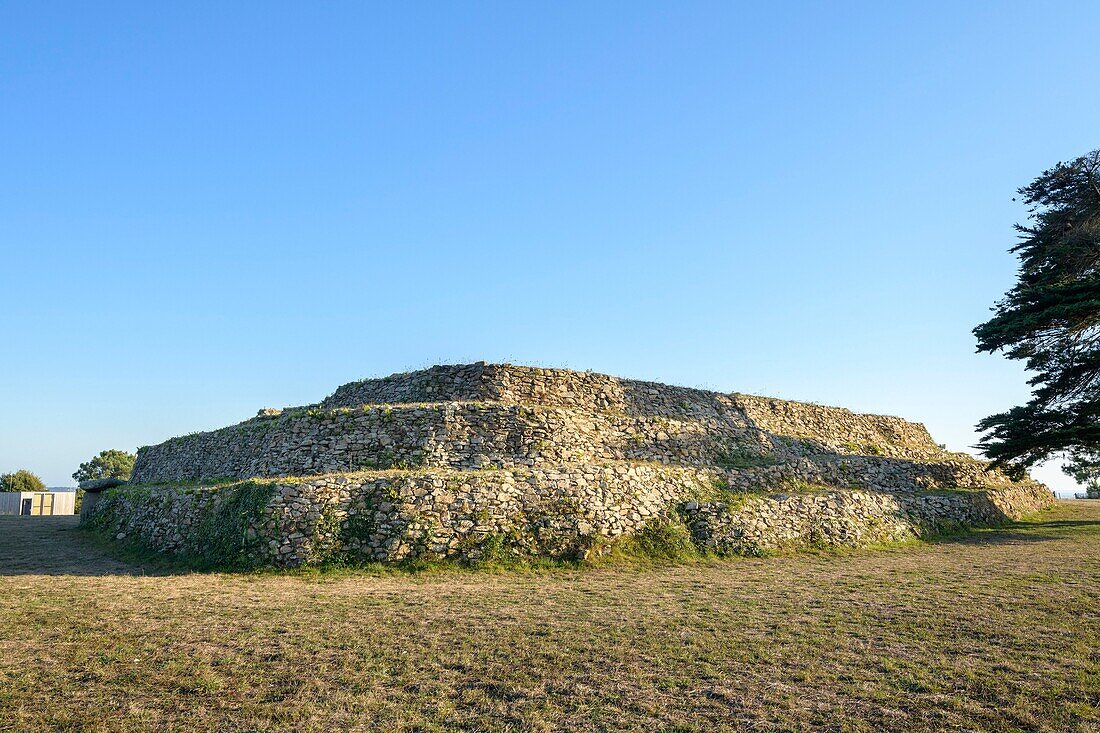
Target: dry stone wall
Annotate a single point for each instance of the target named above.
(474, 460)
(449, 434)
(870, 472)
(567, 513)
(396, 515)
(588, 392)
(581, 418)
(852, 518)
(837, 430)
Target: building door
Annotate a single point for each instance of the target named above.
(25, 510)
(47, 505)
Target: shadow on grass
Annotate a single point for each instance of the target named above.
(1017, 532)
(1094, 523)
(133, 558)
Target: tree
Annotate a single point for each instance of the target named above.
(1051, 320)
(1084, 467)
(108, 464)
(21, 481)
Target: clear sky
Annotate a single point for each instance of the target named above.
(208, 208)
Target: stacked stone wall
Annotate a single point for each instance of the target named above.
(583, 418)
(452, 434)
(568, 512)
(481, 435)
(851, 518)
(449, 461)
(836, 427)
(837, 430)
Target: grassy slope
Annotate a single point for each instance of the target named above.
(999, 630)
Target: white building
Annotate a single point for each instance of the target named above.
(37, 503)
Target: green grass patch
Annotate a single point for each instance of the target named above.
(742, 458)
(663, 540)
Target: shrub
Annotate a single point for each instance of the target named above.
(661, 539)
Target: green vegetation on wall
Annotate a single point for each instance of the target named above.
(224, 536)
(742, 458)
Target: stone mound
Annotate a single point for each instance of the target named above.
(468, 460)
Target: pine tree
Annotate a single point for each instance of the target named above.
(1051, 321)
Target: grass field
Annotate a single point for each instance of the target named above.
(998, 631)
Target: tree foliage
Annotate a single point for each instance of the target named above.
(1084, 467)
(1051, 320)
(21, 481)
(108, 464)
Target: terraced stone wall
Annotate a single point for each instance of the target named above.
(837, 430)
(460, 461)
(527, 417)
(449, 435)
(587, 391)
(869, 472)
(853, 518)
(567, 513)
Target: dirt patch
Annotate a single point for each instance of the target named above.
(52, 546)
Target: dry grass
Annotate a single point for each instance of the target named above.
(995, 631)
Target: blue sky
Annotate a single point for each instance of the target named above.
(205, 210)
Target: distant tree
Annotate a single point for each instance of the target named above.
(1051, 320)
(21, 481)
(108, 464)
(1084, 467)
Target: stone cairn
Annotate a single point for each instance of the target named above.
(488, 460)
